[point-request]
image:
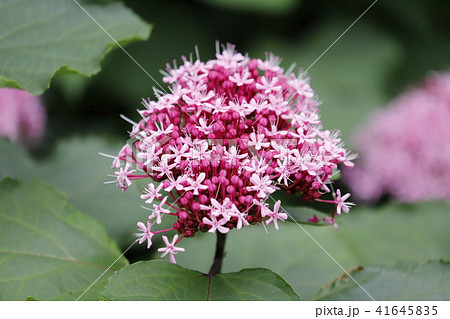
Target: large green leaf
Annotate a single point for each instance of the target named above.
(405, 281)
(380, 236)
(157, 280)
(76, 168)
(48, 250)
(41, 38)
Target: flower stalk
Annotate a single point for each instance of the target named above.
(216, 267)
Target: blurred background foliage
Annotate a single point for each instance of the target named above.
(395, 45)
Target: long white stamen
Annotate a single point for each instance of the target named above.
(127, 119)
(107, 155)
(217, 47)
(197, 53)
(291, 68)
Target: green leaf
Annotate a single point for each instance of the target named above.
(405, 281)
(76, 168)
(41, 38)
(14, 161)
(167, 44)
(49, 250)
(31, 299)
(379, 236)
(157, 280)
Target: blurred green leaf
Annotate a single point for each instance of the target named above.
(174, 35)
(405, 281)
(351, 77)
(366, 236)
(76, 168)
(49, 250)
(41, 38)
(156, 280)
(15, 161)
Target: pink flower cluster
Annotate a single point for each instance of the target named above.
(404, 149)
(22, 116)
(229, 134)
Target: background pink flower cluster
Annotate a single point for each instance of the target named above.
(22, 117)
(404, 149)
(229, 133)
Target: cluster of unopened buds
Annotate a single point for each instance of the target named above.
(230, 133)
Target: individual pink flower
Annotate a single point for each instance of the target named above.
(159, 210)
(220, 209)
(404, 149)
(146, 234)
(174, 183)
(226, 135)
(123, 177)
(341, 205)
(22, 116)
(123, 154)
(242, 78)
(216, 224)
(170, 248)
(240, 217)
(269, 85)
(164, 168)
(264, 186)
(196, 184)
(178, 154)
(257, 141)
(150, 193)
(275, 215)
